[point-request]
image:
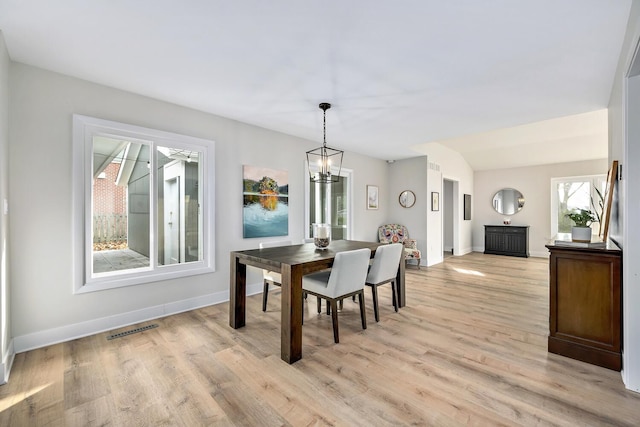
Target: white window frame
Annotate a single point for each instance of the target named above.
(84, 129)
(554, 194)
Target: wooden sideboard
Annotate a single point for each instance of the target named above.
(585, 298)
(510, 240)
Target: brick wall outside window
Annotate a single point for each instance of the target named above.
(109, 198)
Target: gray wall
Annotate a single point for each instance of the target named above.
(409, 174)
(41, 107)
(424, 175)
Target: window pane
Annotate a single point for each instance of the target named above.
(179, 195)
(597, 198)
(120, 205)
(319, 204)
(571, 196)
(328, 203)
(339, 209)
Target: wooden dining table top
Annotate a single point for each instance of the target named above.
(306, 254)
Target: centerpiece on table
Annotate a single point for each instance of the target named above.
(322, 235)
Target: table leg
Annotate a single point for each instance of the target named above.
(291, 313)
(402, 297)
(237, 293)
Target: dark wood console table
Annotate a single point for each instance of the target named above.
(292, 262)
(585, 296)
(512, 240)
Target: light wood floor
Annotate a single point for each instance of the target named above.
(468, 349)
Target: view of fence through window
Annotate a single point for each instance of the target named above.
(122, 200)
(120, 176)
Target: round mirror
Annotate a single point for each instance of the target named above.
(508, 201)
(407, 198)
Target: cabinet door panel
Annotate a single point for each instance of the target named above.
(584, 300)
(493, 242)
(514, 243)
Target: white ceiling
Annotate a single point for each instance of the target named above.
(401, 75)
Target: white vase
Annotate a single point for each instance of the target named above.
(581, 234)
(322, 235)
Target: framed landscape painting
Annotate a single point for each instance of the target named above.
(265, 210)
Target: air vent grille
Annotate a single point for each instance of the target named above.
(132, 331)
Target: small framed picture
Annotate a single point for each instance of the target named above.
(435, 201)
(372, 197)
(467, 207)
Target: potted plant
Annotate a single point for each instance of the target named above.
(582, 219)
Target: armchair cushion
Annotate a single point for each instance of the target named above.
(397, 233)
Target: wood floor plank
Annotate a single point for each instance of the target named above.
(469, 348)
(187, 400)
(97, 412)
(134, 389)
(294, 405)
(37, 397)
(84, 376)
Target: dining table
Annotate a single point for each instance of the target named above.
(293, 262)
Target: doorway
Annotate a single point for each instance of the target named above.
(450, 217)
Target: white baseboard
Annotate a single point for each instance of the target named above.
(7, 363)
(463, 251)
(90, 327)
(542, 254)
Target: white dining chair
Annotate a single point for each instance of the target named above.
(346, 278)
(384, 270)
(271, 277)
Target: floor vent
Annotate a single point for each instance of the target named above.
(132, 331)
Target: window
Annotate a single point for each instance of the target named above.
(143, 205)
(336, 199)
(567, 194)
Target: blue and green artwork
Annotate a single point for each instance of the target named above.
(265, 212)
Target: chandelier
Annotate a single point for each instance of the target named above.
(324, 163)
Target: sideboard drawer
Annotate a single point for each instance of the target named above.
(515, 230)
(490, 229)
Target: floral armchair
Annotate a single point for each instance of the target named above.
(396, 233)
